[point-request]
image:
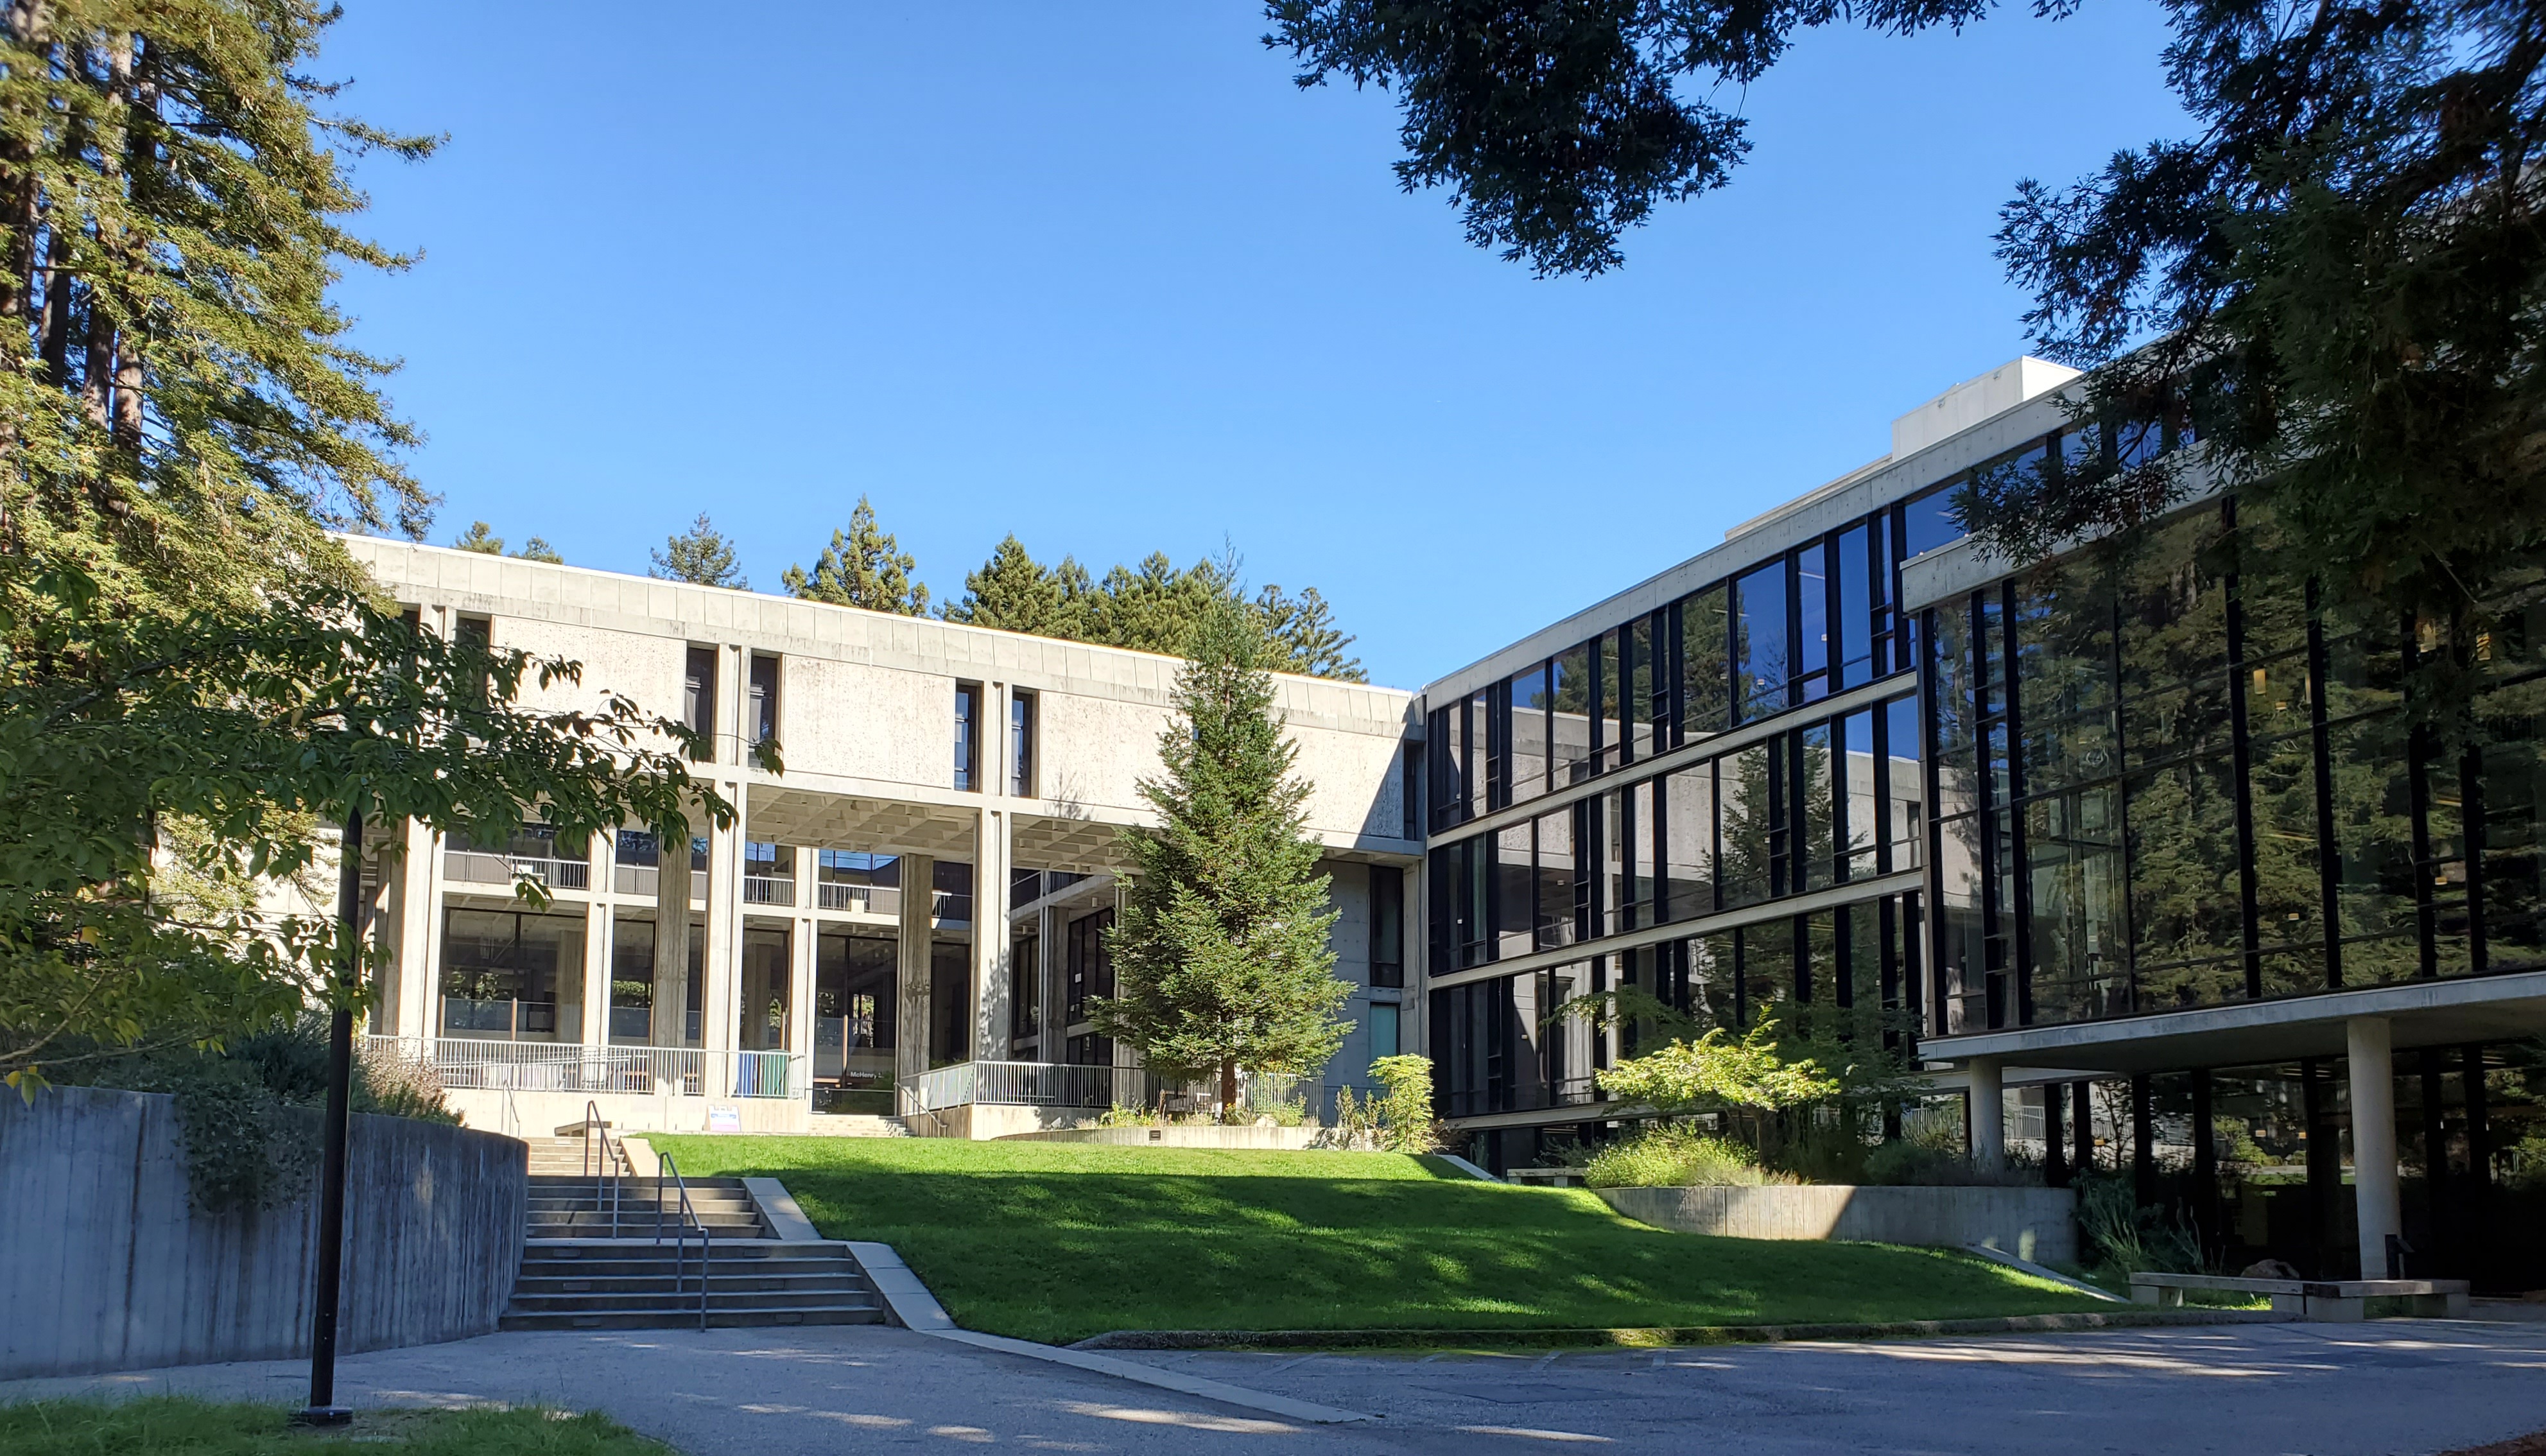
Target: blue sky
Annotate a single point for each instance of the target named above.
(1098, 274)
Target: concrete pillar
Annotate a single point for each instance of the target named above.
(990, 935)
(1989, 1112)
(419, 921)
(721, 991)
(596, 967)
(1052, 1035)
(672, 1017)
(2373, 1139)
(911, 978)
(801, 946)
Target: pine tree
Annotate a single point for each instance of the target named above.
(1014, 593)
(536, 549)
(1304, 634)
(863, 566)
(481, 539)
(700, 555)
(1220, 959)
(1158, 608)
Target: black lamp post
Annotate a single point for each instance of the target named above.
(322, 1409)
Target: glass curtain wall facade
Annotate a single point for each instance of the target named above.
(2164, 782)
(1698, 770)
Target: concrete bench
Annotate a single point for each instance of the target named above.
(1544, 1178)
(2313, 1299)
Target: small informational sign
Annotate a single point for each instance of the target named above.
(723, 1118)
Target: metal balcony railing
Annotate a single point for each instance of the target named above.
(467, 1065)
(476, 867)
(1030, 1084)
(768, 889)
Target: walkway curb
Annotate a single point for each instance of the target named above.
(1660, 1337)
(915, 1308)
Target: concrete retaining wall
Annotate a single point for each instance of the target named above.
(106, 1264)
(2037, 1224)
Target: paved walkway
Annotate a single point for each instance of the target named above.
(2387, 1389)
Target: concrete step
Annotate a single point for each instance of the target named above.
(613, 1318)
(587, 1283)
(717, 1298)
(636, 1246)
(644, 1260)
(602, 1225)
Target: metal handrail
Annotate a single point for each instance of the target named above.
(605, 1165)
(680, 1235)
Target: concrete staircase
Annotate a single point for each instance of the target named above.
(575, 1275)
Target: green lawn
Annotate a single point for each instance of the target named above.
(1057, 1241)
(186, 1427)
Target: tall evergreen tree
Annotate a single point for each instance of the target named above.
(1304, 634)
(1220, 959)
(480, 538)
(536, 549)
(190, 669)
(1157, 608)
(700, 555)
(1014, 593)
(863, 566)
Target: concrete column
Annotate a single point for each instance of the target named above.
(1052, 1034)
(419, 916)
(990, 935)
(671, 944)
(2373, 1139)
(721, 969)
(596, 968)
(1989, 1112)
(801, 946)
(910, 978)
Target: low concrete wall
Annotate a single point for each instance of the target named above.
(1268, 1139)
(984, 1121)
(541, 1114)
(2037, 1224)
(106, 1264)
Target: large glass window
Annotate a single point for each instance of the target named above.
(1815, 635)
(1761, 664)
(1570, 731)
(1531, 705)
(1706, 692)
(511, 975)
(1387, 926)
(1687, 842)
(968, 735)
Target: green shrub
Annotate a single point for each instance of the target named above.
(1673, 1156)
(2128, 1237)
(1404, 1107)
(1121, 1115)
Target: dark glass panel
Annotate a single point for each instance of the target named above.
(2282, 795)
(1688, 842)
(1635, 705)
(1819, 782)
(1527, 752)
(1929, 520)
(1956, 730)
(2445, 872)
(1705, 675)
(2078, 941)
(1761, 664)
(1812, 641)
(1749, 817)
(1515, 894)
(1863, 819)
(1569, 693)
(1555, 893)
(2065, 675)
(2515, 818)
(2373, 832)
(1851, 650)
(1905, 786)
(1605, 740)
(2188, 924)
(1710, 978)
(1962, 930)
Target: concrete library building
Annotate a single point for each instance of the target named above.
(2135, 854)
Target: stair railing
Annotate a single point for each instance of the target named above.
(689, 1218)
(604, 1161)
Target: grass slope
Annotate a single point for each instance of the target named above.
(190, 1427)
(1059, 1242)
